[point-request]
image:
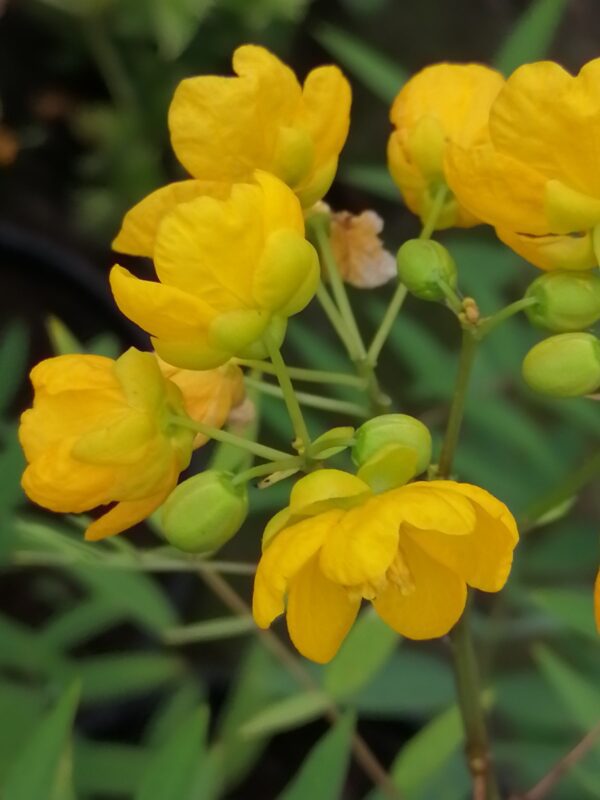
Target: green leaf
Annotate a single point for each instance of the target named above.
(364, 652)
(108, 769)
(176, 23)
(78, 624)
(580, 697)
(178, 769)
(287, 714)
(321, 776)
(63, 341)
(110, 677)
(42, 769)
(531, 37)
(14, 344)
(378, 73)
(373, 178)
(172, 711)
(573, 607)
(21, 707)
(425, 754)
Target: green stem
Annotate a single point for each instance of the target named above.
(319, 228)
(386, 324)
(308, 375)
(508, 311)
(452, 298)
(470, 702)
(291, 401)
(283, 465)
(457, 408)
(260, 450)
(312, 400)
(109, 63)
(434, 212)
(337, 323)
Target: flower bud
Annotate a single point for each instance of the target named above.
(422, 265)
(390, 450)
(566, 301)
(204, 512)
(567, 365)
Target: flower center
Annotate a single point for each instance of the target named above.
(398, 573)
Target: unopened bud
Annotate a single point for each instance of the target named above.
(567, 365)
(390, 450)
(423, 265)
(566, 301)
(204, 512)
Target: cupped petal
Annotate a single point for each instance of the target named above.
(57, 481)
(74, 372)
(284, 556)
(563, 252)
(163, 311)
(287, 275)
(319, 613)
(362, 545)
(280, 207)
(138, 231)
(431, 506)
(325, 111)
(550, 120)
(124, 515)
(431, 606)
(482, 558)
(324, 489)
(497, 188)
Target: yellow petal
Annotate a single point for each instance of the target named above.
(325, 488)
(74, 372)
(288, 274)
(362, 545)
(223, 128)
(122, 516)
(121, 442)
(57, 481)
(282, 559)
(319, 613)
(497, 188)
(551, 252)
(279, 205)
(433, 606)
(141, 380)
(326, 100)
(569, 210)
(140, 224)
(549, 120)
(482, 558)
(163, 311)
(430, 506)
(194, 352)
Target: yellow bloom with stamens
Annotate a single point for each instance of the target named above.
(230, 272)
(210, 395)
(99, 433)
(410, 551)
(536, 176)
(442, 104)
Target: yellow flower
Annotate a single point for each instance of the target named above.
(411, 551)
(231, 271)
(99, 433)
(442, 104)
(209, 395)
(536, 177)
(224, 128)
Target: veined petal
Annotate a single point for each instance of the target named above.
(551, 252)
(284, 556)
(163, 311)
(433, 606)
(430, 505)
(497, 189)
(319, 613)
(123, 516)
(140, 225)
(362, 545)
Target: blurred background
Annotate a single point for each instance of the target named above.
(104, 686)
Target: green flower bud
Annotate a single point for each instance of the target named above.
(390, 450)
(566, 301)
(332, 442)
(204, 512)
(422, 264)
(567, 365)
